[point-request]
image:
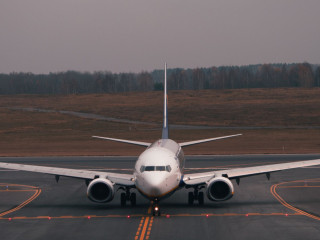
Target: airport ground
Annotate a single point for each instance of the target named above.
(34, 206)
(276, 121)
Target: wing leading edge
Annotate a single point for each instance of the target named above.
(116, 178)
(201, 178)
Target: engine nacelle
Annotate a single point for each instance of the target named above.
(100, 190)
(219, 189)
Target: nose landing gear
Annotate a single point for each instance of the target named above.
(155, 208)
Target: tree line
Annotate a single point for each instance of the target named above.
(224, 77)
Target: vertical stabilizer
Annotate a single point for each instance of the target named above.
(165, 129)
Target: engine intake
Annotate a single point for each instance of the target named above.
(100, 190)
(219, 189)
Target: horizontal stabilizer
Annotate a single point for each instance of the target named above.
(145, 144)
(184, 144)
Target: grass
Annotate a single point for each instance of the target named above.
(25, 133)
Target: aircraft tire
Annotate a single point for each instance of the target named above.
(123, 199)
(190, 198)
(201, 198)
(133, 199)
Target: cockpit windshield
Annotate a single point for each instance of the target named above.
(155, 168)
(160, 168)
(149, 168)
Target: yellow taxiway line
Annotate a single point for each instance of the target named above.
(29, 200)
(287, 205)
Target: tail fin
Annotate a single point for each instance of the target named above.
(165, 129)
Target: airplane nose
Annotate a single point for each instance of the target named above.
(155, 184)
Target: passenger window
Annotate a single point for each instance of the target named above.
(168, 168)
(149, 168)
(160, 168)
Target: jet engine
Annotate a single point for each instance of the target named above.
(219, 189)
(100, 190)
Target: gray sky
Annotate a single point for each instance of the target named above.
(44, 36)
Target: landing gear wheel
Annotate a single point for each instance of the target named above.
(155, 208)
(133, 199)
(201, 198)
(190, 198)
(123, 199)
(156, 211)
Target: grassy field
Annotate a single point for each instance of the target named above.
(24, 133)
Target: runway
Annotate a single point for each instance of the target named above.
(34, 206)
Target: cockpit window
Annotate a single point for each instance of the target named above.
(155, 168)
(160, 168)
(149, 168)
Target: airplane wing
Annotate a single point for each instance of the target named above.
(116, 178)
(236, 173)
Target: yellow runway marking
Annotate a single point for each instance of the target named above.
(29, 200)
(143, 218)
(139, 228)
(145, 226)
(287, 205)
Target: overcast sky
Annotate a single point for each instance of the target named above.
(43, 36)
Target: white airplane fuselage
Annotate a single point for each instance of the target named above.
(159, 169)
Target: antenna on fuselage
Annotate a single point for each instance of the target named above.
(165, 129)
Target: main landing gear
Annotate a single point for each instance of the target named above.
(155, 208)
(196, 196)
(127, 196)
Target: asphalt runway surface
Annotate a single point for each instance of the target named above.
(34, 206)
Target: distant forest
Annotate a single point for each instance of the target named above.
(226, 77)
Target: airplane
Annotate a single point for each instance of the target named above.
(159, 172)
